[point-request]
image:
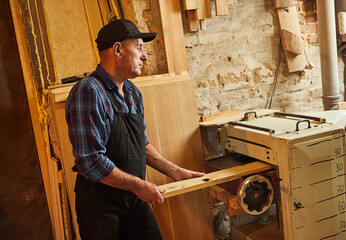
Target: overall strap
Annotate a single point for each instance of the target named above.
(115, 104)
(135, 97)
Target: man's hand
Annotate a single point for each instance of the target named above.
(182, 173)
(149, 192)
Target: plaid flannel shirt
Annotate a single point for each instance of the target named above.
(89, 116)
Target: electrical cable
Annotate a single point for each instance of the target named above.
(275, 79)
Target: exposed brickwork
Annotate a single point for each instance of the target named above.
(307, 14)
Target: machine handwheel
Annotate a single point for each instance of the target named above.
(255, 194)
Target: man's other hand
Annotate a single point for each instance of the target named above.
(182, 173)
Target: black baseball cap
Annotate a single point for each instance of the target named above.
(119, 30)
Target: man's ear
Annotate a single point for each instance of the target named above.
(116, 49)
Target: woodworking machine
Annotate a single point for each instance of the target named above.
(307, 153)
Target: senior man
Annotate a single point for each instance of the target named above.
(105, 117)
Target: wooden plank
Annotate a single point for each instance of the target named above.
(291, 42)
(202, 24)
(211, 179)
(223, 120)
(288, 20)
(217, 194)
(115, 8)
(57, 224)
(190, 4)
(192, 19)
(283, 3)
(220, 115)
(104, 10)
(223, 195)
(173, 35)
(95, 22)
(65, 207)
(204, 10)
(67, 161)
(221, 7)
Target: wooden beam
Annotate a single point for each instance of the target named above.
(211, 179)
(173, 35)
(220, 115)
(190, 4)
(283, 3)
(95, 23)
(221, 7)
(204, 10)
(192, 19)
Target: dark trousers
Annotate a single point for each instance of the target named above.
(105, 213)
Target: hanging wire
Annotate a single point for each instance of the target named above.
(271, 94)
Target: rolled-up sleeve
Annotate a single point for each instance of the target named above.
(86, 116)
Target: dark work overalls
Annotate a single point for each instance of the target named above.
(107, 213)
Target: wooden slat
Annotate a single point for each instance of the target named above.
(115, 8)
(204, 10)
(220, 115)
(67, 161)
(230, 200)
(57, 224)
(288, 20)
(173, 35)
(202, 24)
(236, 117)
(104, 10)
(192, 19)
(283, 3)
(190, 4)
(95, 22)
(221, 7)
(211, 179)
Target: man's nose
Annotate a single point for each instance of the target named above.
(144, 56)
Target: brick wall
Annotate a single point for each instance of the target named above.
(307, 14)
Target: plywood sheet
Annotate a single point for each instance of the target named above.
(172, 126)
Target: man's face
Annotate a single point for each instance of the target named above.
(133, 56)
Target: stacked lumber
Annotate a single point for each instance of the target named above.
(199, 10)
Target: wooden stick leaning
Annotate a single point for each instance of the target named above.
(214, 178)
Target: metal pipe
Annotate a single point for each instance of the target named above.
(328, 53)
(340, 6)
